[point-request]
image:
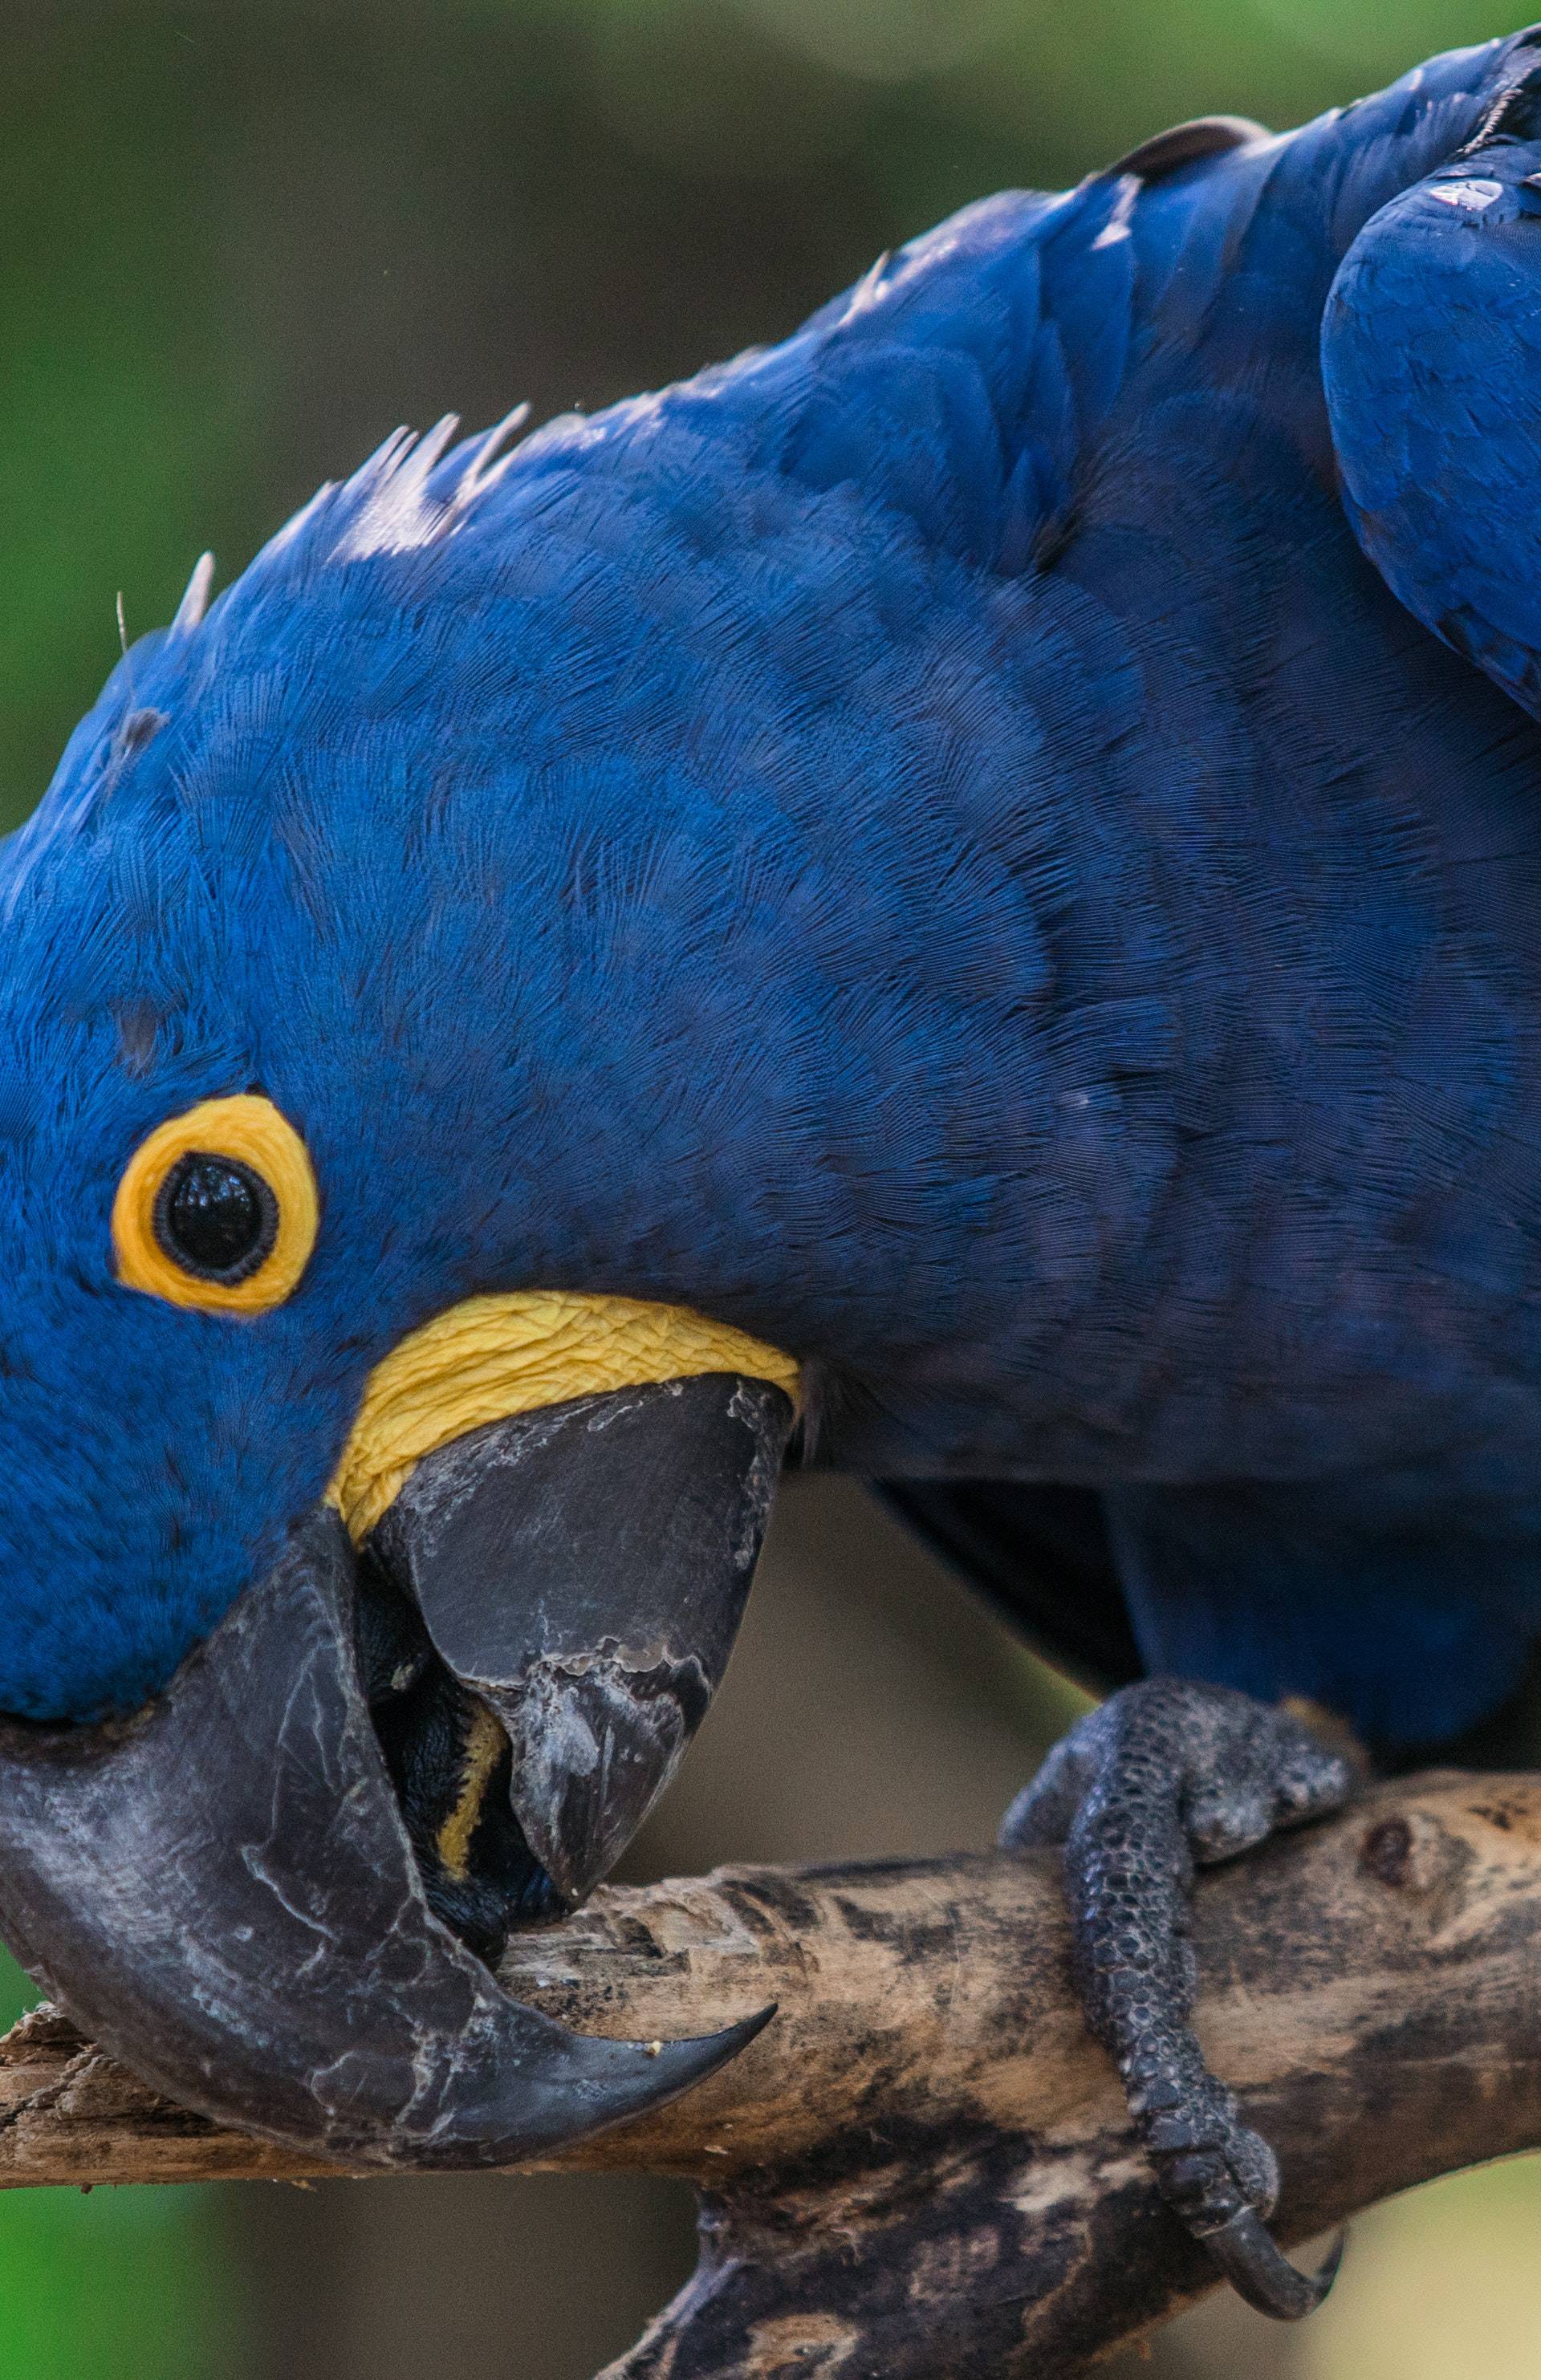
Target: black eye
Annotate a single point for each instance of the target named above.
(215, 1217)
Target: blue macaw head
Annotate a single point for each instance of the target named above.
(383, 1474)
(347, 851)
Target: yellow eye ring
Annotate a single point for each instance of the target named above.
(241, 1150)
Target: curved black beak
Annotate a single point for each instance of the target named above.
(228, 1890)
(582, 1571)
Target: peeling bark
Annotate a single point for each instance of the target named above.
(924, 2167)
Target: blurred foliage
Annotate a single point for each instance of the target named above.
(112, 2284)
(109, 2284)
(241, 239)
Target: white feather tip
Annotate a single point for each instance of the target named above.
(195, 599)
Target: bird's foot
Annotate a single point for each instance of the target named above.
(1162, 1776)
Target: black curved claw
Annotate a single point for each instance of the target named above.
(1261, 2273)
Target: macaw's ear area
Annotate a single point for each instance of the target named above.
(445, 1710)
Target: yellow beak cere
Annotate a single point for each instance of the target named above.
(493, 1357)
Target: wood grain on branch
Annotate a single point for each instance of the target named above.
(923, 2166)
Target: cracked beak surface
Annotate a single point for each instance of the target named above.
(583, 1570)
(274, 1892)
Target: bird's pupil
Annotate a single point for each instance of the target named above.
(215, 1217)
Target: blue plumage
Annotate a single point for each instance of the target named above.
(933, 844)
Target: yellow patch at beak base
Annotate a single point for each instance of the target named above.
(492, 1357)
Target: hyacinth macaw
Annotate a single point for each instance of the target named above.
(958, 896)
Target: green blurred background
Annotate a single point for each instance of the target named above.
(239, 243)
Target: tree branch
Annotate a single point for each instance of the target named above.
(924, 2166)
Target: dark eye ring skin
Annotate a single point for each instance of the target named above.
(215, 1217)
